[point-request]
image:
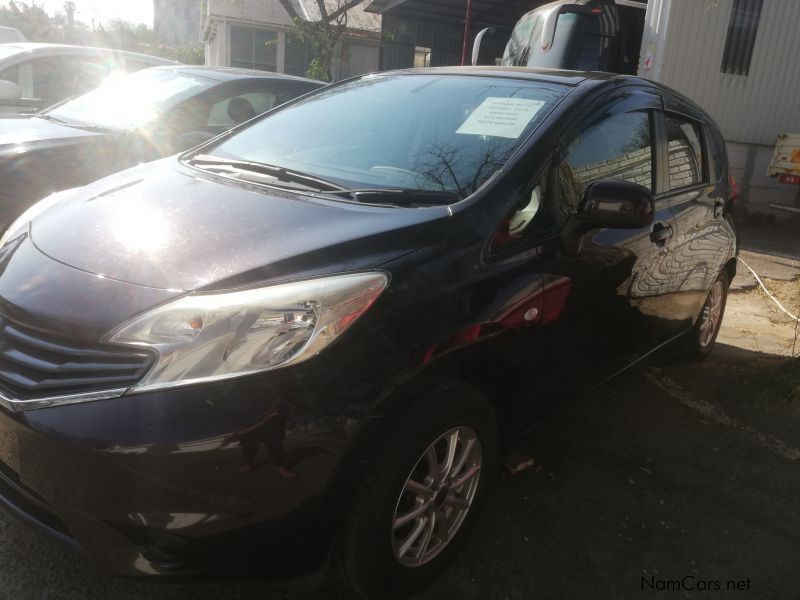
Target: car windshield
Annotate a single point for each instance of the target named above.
(432, 132)
(128, 101)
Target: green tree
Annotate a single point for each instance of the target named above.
(138, 37)
(322, 36)
(32, 21)
(121, 34)
(69, 11)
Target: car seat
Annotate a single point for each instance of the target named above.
(240, 110)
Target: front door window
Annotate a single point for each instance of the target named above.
(615, 147)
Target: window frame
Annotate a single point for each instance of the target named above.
(740, 45)
(626, 99)
(664, 190)
(253, 32)
(613, 107)
(537, 233)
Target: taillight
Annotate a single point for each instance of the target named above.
(734, 189)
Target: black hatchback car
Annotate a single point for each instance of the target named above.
(314, 336)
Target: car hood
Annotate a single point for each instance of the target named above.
(164, 225)
(35, 131)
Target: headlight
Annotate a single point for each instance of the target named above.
(207, 337)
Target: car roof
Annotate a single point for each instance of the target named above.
(229, 73)
(585, 81)
(569, 78)
(68, 49)
(563, 77)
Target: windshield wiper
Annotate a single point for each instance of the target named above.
(88, 126)
(257, 172)
(400, 196)
(52, 119)
(272, 172)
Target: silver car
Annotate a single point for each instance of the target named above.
(35, 76)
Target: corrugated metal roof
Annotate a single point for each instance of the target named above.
(357, 17)
(500, 13)
(751, 109)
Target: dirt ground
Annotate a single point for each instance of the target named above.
(676, 480)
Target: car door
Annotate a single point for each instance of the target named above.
(607, 292)
(703, 238)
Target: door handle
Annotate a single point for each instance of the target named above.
(660, 234)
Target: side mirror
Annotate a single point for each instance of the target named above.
(9, 91)
(617, 204)
(476, 46)
(611, 204)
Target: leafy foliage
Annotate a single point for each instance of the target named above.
(32, 21)
(36, 26)
(323, 36)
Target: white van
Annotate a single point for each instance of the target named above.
(579, 35)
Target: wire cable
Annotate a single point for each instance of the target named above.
(769, 294)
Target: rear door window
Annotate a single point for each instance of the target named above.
(685, 152)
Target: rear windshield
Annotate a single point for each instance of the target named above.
(430, 132)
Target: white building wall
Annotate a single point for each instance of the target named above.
(250, 11)
(682, 48)
(356, 55)
(217, 44)
(751, 109)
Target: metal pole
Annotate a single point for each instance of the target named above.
(467, 27)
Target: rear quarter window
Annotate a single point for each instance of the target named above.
(685, 152)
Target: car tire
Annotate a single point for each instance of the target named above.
(699, 341)
(378, 555)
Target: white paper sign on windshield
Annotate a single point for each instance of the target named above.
(501, 117)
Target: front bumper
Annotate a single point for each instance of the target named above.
(163, 483)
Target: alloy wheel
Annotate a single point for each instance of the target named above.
(436, 497)
(712, 314)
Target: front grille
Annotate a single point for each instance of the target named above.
(33, 365)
